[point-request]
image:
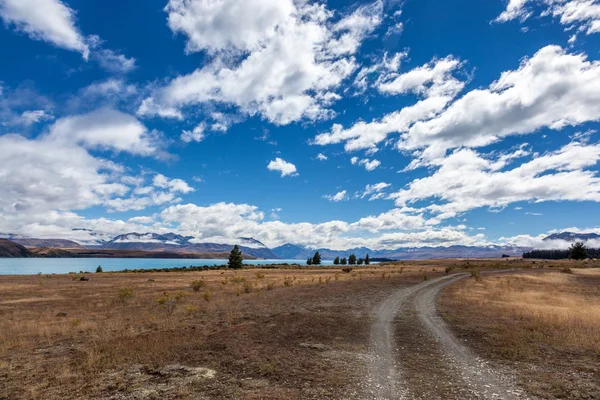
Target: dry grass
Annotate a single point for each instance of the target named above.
(62, 338)
(548, 325)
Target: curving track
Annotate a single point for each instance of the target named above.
(386, 378)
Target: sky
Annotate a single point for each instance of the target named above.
(337, 124)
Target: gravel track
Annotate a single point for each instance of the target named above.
(385, 378)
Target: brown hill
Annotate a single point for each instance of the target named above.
(12, 249)
(52, 243)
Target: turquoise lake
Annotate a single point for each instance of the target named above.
(29, 266)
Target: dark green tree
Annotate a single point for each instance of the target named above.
(309, 261)
(235, 258)
(367, 259)
(343, 261)
(578, 251)
(336, 261)
(317, 259)
(99, 269)
(360, 261)
(352, 259)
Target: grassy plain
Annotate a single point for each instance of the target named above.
(268, 333)
(546, 325)
(253, 333)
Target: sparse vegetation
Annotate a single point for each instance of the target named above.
(126, 294)
(198, 284)
(169, 302)
(543, 322)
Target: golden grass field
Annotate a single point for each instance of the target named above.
(115, 334)
(547, 325)
(267, 333)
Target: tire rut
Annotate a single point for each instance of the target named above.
(387, 378)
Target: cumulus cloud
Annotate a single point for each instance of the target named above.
(433, 82)
(35, 116)
(195, 135)
(321, 157)
(467, 180)
(369, 165)
(290, 70)
(48, 20)
(105, 129)
(582, 15)
(336, 198)
(515, 9)
(282, 166)
(375, 191)
(552, 89)
(112, 61)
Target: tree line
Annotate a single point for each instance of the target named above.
(351, 260)
(577, 251)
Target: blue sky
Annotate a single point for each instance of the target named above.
(379, 123)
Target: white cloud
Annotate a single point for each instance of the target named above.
(47, 175)
(375, 190)
(215, 25)
(35, 116)
(195, 135)
(282, 166)
(433, 81)
(105, 129)
(114, 62)
(321, 157)
(48, 20)
(336, 198)
(582, 15)
(174, 185)
(466, 180)
(141, 220)
(369, 165)
(552, 89)
(515, 9)
(291, 70)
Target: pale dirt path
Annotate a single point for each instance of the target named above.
(484, 381)
(385, 379)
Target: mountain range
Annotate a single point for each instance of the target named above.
(173, 243)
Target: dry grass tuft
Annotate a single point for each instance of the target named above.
(544, 322)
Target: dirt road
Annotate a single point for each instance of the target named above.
(413, 354)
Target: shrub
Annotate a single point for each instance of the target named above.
(198, 284)
(247, 287)
(126, 293)
(169, 302)
(238, 279)
(425, 277)
(449, 269)
(192, 308)
(206, 296)
(270, 285)
(347, 270)
(566, 270)
(287, 281)
(260, 275)
(475, 275)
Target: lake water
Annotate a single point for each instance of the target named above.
(28, 266)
